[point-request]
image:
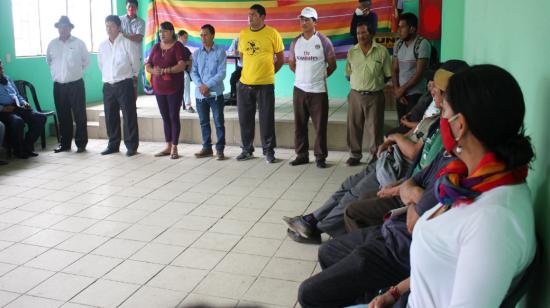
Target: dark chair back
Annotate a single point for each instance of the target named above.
(22, 87)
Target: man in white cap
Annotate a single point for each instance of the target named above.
(312, 59)
(68, 57)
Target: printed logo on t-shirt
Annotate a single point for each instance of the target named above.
(317, 46)
(307, 57)
(252, 47)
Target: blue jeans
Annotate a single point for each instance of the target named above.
(204, 105)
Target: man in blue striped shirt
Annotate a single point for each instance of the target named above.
(208, 73)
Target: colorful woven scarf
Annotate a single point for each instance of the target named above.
(454, 186)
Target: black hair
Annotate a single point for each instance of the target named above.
(134, 2)
(114, 19)
(182, 32)
(410, 18)
(210, 28)
(259, 8)
(168, 26)
(492, 102)
(370, 27)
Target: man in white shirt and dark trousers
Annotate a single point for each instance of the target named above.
(119, 65)
(312, 59)
(67, 57)
(133, 28)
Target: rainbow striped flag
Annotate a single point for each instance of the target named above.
(230, 16)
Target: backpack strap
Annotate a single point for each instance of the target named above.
(417, 46)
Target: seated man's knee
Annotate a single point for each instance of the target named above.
(308, 293)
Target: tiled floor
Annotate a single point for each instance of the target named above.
(81, 230)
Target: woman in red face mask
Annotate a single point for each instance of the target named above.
(468, 249)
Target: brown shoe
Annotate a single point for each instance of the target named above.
(204, 153)
(219, 155)
(353, 161)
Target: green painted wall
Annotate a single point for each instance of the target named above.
(507, 33)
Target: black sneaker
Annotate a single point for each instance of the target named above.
(244, 156)
(300, 160)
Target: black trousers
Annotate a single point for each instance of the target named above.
(355, 266)
(15, 127)
(116, 97)
(248, 96)
(404, 109)
(314, 105)
(70, 103)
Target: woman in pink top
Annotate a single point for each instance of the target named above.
(166, 64)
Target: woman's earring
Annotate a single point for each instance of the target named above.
(458, 149)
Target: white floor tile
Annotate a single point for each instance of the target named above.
(61, 286)
(147, 297)
(257, 246)
(289, 269)
(198, 223)
(136, 272)
(217, 241)
(199, 258)
(225, 285)
(54, 260)
(22, 279)
(107, 228)
(26, 301)
(141, 233)
(48, 238)
(273, 291)
(105, 293)
(92, 266)
(82, 243)
(6, 297)
(179, 237)
(118, 248)
(18, 233)
(157, 253)
(20, 253)
(177, 278)
(244, 264)
(195, 300)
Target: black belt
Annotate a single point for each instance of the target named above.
(119, 82)
(67, 83)
(368, 92)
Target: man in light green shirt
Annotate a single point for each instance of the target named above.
(368, 67)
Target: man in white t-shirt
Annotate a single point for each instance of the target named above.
(312, 59)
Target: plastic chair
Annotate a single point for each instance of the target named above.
(22, 87)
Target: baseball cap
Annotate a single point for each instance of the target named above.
(309, 12)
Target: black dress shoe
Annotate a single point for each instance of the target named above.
(300, 226)
(353, 161)
(130, 153)
(108, 151)
(300, 160)
(81, 150)
(61, 148)
(32, 154)
(314, 239)
(321, 163)
(22, 155)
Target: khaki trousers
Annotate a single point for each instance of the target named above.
(365, 110)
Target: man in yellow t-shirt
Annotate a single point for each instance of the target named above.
(258, 46)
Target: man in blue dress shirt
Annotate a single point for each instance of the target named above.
(208, 73)
(14, 113)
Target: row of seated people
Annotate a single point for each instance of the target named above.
(443, 218)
